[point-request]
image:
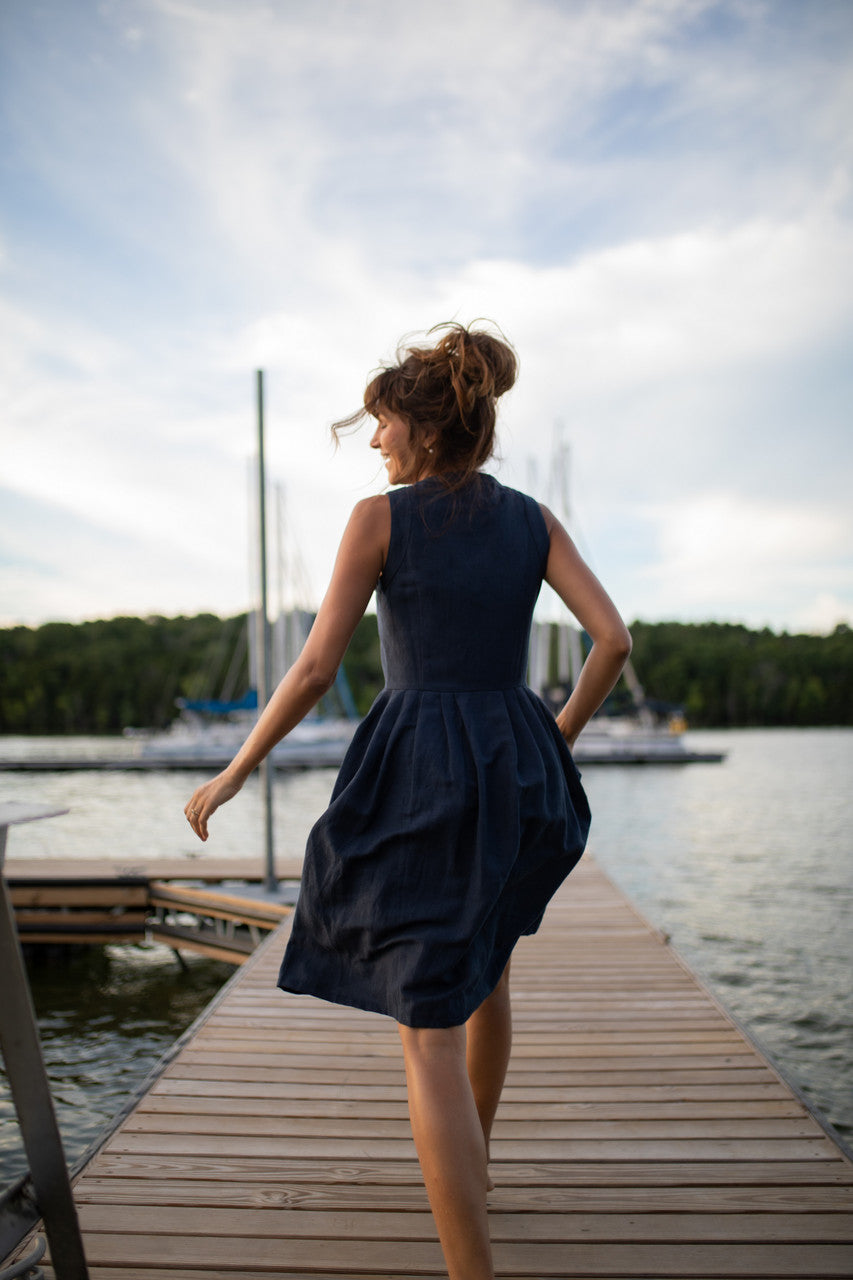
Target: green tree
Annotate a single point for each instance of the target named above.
(101, 677)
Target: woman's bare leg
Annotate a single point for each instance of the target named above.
(451, 1147)
(489, 1031)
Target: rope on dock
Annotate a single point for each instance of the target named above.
(27, 1267)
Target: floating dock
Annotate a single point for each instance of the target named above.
(598, 747)
(609, 754)
(640, 1135)
(213, 906)
(152, 763)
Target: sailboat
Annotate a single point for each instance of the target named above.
(642, 731)
(209, 731)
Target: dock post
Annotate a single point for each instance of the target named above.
(21, 1048)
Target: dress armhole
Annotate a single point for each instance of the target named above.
(538, 530)
(399, 540)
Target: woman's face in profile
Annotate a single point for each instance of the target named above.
(393, 439)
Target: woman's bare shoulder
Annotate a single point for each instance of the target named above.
(551, 521)
(372, 513)
(369, 527)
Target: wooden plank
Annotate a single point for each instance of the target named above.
(567, 1227)
(257, 1046)
(223, 1120)
(280, 1171)
(180, 1086)
(114, 894)
(336, 1195)
(29, 920)
(330, 1146)
(217, 1273)
(351, 1256)
(260, 1032)
(530, 1112)
(192, 866)
(540, 1068)
(218, 903)
(189, 1067)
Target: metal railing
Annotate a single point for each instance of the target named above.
(45, 1193)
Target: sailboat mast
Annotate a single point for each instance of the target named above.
(265, 654)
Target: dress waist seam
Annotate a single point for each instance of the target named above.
(433, 688)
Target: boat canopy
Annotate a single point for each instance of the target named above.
(219, 707)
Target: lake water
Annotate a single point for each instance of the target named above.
(747, 865)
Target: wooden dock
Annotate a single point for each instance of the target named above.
(208, 907)
(641, 1135)
(208, 870)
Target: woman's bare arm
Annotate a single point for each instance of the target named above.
(358, 566)
(582, 593)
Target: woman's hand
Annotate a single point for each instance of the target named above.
(207, 798)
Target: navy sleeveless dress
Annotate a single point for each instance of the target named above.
(458, 810)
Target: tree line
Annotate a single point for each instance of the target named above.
(727, 676)
(102, 677)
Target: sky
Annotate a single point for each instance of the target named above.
(650, 198)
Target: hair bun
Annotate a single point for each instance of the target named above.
(499, 358)
(478, 364)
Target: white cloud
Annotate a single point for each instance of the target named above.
(461, 131)
(722, 529)
(56, 564)
(725, 554)
(704, 301)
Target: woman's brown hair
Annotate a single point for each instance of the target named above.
(446, 394)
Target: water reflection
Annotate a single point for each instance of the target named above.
(748, 866)
(106, 1016)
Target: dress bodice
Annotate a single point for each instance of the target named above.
(462, 575)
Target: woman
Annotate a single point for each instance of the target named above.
(458, 810)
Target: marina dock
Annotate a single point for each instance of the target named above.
(641, 1134)
(661, 749)
(215, 907)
